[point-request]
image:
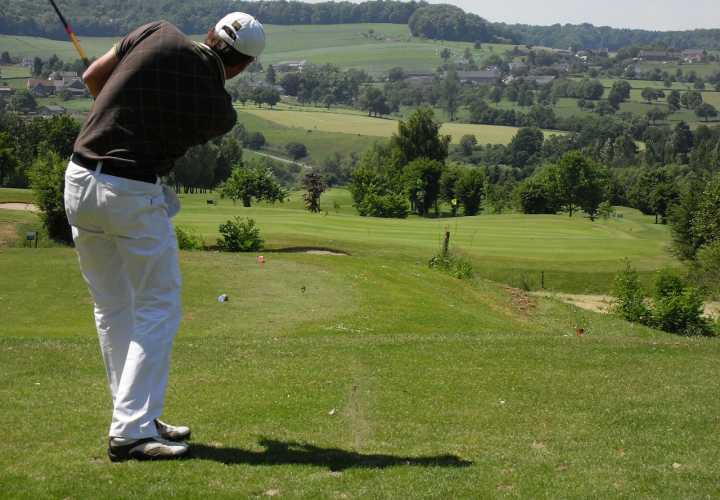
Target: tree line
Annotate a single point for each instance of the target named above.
(443, 22)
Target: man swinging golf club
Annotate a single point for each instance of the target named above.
(157, 94)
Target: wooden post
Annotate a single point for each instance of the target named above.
(542, 280)
(446, 243)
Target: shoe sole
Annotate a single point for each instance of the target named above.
(144, 458)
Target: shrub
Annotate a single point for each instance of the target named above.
(455, 265)
(705, 270)
(387, 205)
(188, 239)
(630, 299)
(255, 140)
(240, 235)
(296, 150)
(676, 308)
(47, 179)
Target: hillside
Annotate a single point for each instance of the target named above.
(104, 18)
(368, 374)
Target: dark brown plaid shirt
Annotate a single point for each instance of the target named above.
(166, 95)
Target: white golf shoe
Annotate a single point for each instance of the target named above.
(172, 432)
(154, 448)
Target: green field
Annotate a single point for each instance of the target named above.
(368, 375)
(363, 125)
(348, 46)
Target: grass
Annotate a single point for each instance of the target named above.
(345, 45)
(367, 375)
(11, 195)
(320, 144)
(575, 254)
(362, 125)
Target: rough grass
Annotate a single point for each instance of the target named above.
(367, 375)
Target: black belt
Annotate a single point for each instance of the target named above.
(109, 167)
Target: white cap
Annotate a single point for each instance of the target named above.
(242, 32)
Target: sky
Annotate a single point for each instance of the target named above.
(645, 14)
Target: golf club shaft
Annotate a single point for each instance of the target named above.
(71, 34)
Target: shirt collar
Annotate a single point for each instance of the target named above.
(211, 53)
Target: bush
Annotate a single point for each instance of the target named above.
(386, 205)
(705, 270)
(47, 179)
(630, 299)
(255, 140)
(456, 266)
(188, 239)
(296, 150)
(676, 308)
(240, 235)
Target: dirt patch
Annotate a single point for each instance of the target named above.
(312, 251)
(603, 303)
(25, 207)
(595, 303)
(521, 301)
(8, 234)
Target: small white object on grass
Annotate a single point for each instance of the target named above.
(332, 412)
(223, 298)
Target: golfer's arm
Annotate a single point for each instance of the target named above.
(99, 72)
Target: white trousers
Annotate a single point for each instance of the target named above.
(128, 256)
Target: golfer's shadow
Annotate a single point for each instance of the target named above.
(290, 452)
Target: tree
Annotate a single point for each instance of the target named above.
(5, 58)
(419, 137)
(536, 195)
(421, 178)
(706, 111)
(374, 102)
(270, 75)
(47, 178)
(255, 141)
(692, 99)
(253, 181)
(196, 168)
(578, 181)
(470, 190)
(673, 100)
(467, 144)
(619, 93)
(706, 222)
(445, 54)
(448, 187)
(296, 150)
(451, 89)
(230, 155)
(655, 114)
(651, 94)
(605, 108)
(526, 144)
(22, 101)
(8, 161)
(682, 141)
(315, 187)
(396, 74)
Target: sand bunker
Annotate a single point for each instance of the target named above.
(26, 207)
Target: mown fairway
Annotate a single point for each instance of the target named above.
(363, 125)
(367, 375)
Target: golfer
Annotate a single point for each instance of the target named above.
(158, 93)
